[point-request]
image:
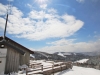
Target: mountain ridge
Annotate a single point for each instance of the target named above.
(59, 56)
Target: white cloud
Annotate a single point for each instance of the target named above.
(39, 25)
(43, 6)
(80, 1)
(41, 1)
(61, 42)
(29, 5)
(53, 11)
(69, 46)
(3, 9)
(37, 15)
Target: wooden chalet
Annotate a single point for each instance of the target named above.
(16, 56)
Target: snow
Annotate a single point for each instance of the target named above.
(75, 54)
(42, 62)
(76, 70)
(82, 61)
(23, 66)
(79, 71)
(60, 54)
(43, 54)
(67, 53)
(46, 64)
(32, 56)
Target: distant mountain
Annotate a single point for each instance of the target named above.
(68, 53)
(94, 57)
(46, 56)
(72, 56)
(95, 53)
(59, 56)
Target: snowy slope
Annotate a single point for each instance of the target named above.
(77, 71)
(74, 71)
(82, 61)
(80, 71)
(61, 54)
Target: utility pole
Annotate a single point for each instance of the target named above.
(5, 25)
(7, 19)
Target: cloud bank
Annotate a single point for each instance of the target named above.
(39, 25)
(64, 45)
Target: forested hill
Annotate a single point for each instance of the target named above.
(59, 56)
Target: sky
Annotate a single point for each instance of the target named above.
(53, 25)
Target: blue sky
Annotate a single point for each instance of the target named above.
(53, 25)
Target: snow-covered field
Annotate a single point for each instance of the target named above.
(76, 70)
(79, 71)
(82, 61)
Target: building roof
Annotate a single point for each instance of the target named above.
(6, 41)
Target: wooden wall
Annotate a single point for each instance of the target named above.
(24, 59)
(14, 58)
(12, 61)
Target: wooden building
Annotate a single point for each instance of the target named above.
(16, 56)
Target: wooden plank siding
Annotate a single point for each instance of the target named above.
(12, 61)
(24, 59)
(17, 55)
(15, 59)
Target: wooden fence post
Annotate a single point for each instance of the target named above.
(42, 67)
(53, 69)
(26, 71)
(66, 65)
(61, 67)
